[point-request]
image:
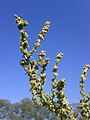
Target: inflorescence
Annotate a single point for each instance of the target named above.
(37, 77)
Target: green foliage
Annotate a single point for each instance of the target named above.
(24, 110)
(37, 77)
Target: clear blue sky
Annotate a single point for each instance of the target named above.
(69, 33)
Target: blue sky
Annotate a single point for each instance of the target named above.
(69, 33)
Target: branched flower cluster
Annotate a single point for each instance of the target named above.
(84, 102)
(56, 101)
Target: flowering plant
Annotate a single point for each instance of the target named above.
(37, 77)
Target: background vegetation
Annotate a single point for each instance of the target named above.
(27, 110)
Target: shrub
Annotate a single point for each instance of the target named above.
(56, 101)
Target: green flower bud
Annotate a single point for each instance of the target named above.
(55, 74)
(40, 36)
(87, 66)
(59, 56)
(62, 93)
(53, 85)
(47, 60)
(47, 95)
(37, 44)
(20, 22)
(33, 82)
(33, 98)
(47, 23)
(33, 50)
(62, 82)
(25, 23)
(81, 84)
(22, 62)
(85, 70)
(34, 76)
(57, 60)
(88, 96)
(83, 77)
(34, 92)
(43, 75)
(24, 34)
(42, 53)
(25, 44)
(82, 93)
(55, 68)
